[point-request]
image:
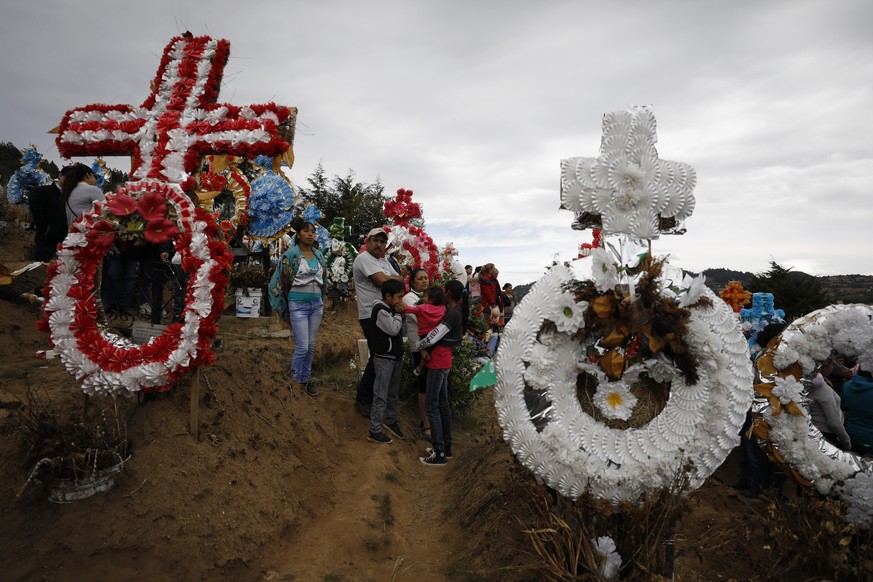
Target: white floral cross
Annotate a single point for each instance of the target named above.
(628, 189)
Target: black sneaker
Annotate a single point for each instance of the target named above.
(434, 459)
(379, 438)
(311, 389)
(429, 451)
(394, 429)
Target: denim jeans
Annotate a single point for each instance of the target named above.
(385, 390)
(436, 404)
(305, 319)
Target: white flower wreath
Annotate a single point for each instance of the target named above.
(808, 341)
(571, 450)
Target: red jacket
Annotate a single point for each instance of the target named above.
(490, 292)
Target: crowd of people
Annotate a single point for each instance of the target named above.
(397, 305)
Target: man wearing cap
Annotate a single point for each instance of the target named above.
(370, 269)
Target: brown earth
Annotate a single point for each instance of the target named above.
(282, 486)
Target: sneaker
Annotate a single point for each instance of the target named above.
(379, 438)
(145, 310)
(429, 451)
(363, 408)
(434, 459)
(394, 429)
(311, 389)
(417, 372)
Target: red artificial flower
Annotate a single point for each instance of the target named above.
(153, 205)
(160, 230)
(121, 205)
(101, 235)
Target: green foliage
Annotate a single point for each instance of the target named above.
(793, 291)
(10, 160)
(359, 203)
(115, 179)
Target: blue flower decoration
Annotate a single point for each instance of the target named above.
(100, 173)
(323, 237)
(27, 177)
(264, 161)
(271, 206)
(312, 214)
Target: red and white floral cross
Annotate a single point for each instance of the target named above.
(180, 120)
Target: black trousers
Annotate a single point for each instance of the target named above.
(365, 386)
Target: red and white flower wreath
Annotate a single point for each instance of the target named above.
(106, 363)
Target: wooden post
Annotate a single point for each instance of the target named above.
(193, 421)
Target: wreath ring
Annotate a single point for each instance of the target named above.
(551, 434)
(104, 362)
(784, 424)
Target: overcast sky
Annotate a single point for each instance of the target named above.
(473, 105)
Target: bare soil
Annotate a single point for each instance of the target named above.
(283, 486)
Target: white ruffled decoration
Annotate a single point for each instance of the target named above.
(62, 308)
(809, 341)
(573, 451)
(628, 185)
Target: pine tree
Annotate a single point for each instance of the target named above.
(794, 292)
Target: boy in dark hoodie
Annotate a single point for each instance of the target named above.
(387, 351)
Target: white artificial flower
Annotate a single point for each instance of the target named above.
(858, 493)
(566, 314)
(610, 559)
(539, 371)
(694, 288)
(788, 390)
(615, 400)
(661, 369)
(604, 270)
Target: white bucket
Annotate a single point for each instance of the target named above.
(248, 302)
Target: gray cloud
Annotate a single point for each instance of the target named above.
(473, 105)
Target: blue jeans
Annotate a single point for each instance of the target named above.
(436, 404)
(385, 390)
(305, 320)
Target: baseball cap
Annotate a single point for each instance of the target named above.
(375, 231)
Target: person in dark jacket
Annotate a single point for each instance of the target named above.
(857, 402)
(49, 218)
(386, 345)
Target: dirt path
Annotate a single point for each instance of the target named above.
(384, 518)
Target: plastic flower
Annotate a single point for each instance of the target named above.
(788, 390)
(160, 230)
(694, 288)
(605, 271)
(122, 205)
(610, 559)
(566, 314)
(101, 235)
(615, 400)
(858, 493)
(152, 205)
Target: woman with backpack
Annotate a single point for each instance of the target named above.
(297, 293)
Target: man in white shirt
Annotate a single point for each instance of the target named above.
(370, 269)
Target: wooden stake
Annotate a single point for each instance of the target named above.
(193, 424)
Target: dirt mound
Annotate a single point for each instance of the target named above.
(282, 486)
